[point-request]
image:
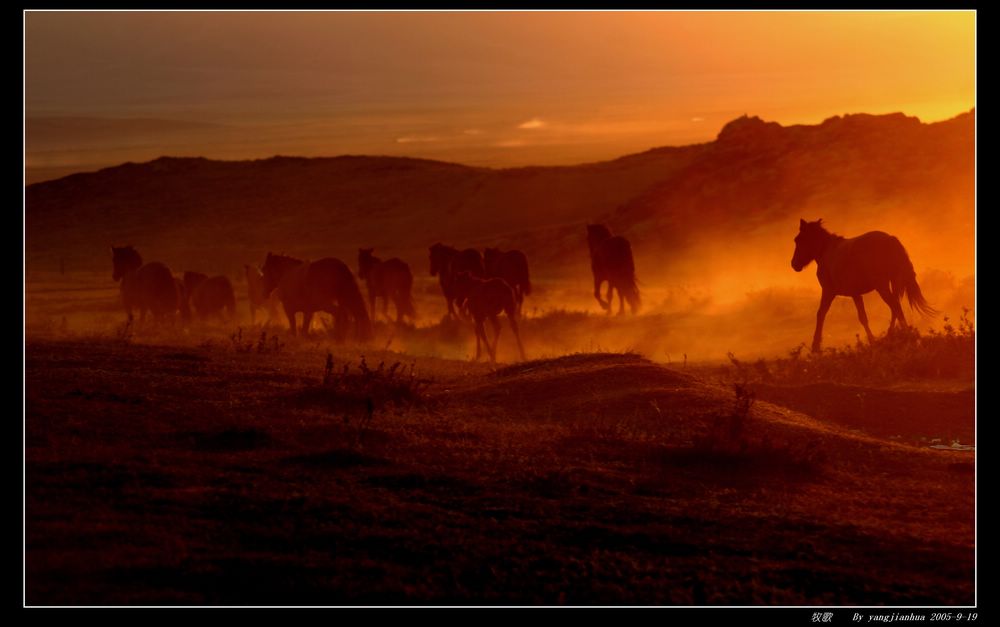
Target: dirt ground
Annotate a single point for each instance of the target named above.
(196, 471)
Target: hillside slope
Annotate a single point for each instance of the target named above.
(750, 182)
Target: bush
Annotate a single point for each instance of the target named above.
(902, 355)
(729, 443)
(357, 394)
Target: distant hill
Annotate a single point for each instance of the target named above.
(754, 180)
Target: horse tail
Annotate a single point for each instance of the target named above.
(916, 297)
(629, 285)
(525, 279)
(405, 295)
(630, 290)
(907, 284)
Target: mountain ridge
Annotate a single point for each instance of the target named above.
(220, 214)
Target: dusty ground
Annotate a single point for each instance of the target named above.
(185, 471)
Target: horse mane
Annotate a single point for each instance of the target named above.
(366, 262)
(125, 259)
(597, 234)
(124, 254)
(284, 259)
(818, 225)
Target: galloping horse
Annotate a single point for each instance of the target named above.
(210, 295)
(446, 263)
(486, 299)
(512, 267)
(611, 261)
(147, 287)
(257, 296)
(323, 285)
(855, 266)
(390, 279)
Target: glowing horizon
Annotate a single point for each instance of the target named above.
(484, 88)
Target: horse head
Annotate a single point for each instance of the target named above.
(809, 243)
(366, 260)
(125, 259)
(193, 279)
(439, 255)
(271, 272)
(597, 234)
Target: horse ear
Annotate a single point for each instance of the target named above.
(802, 223)
(820, 221)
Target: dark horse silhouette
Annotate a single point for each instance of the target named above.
(147, 287)
(512, 267)
(209, 296)
(446, 263)
(486, 299)
(310, 286)
(256, 295)
(611, 261)
(855, 266)
(387, 280)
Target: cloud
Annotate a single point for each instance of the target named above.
(472, 131)
(417, 139)
(697, 119)
(510, 143)
(533, 124)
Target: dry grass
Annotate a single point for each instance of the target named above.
(196, 474)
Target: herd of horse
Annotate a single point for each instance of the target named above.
(479, 287)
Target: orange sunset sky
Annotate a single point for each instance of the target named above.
(482, 88)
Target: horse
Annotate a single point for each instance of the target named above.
(855, 266)
(256, 295)
(310, 286)
(446, 263)
(145, 286)
(390, 279)
(512, 267)
(210, 295)
(486, 299)
(611, 261)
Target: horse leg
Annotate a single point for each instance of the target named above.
(492, 349)
(824, 305)
(307, 317)
(480, 336)
(371, 304)
(597, 293)
(400, 314)
(496, 336)
(859, 302)
(897, 310)
(517, 335)
(291, 318)
(621, 303)
(385, 307)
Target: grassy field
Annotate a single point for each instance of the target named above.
(209, 468)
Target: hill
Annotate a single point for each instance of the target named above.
(854, 171)
(586, 479)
